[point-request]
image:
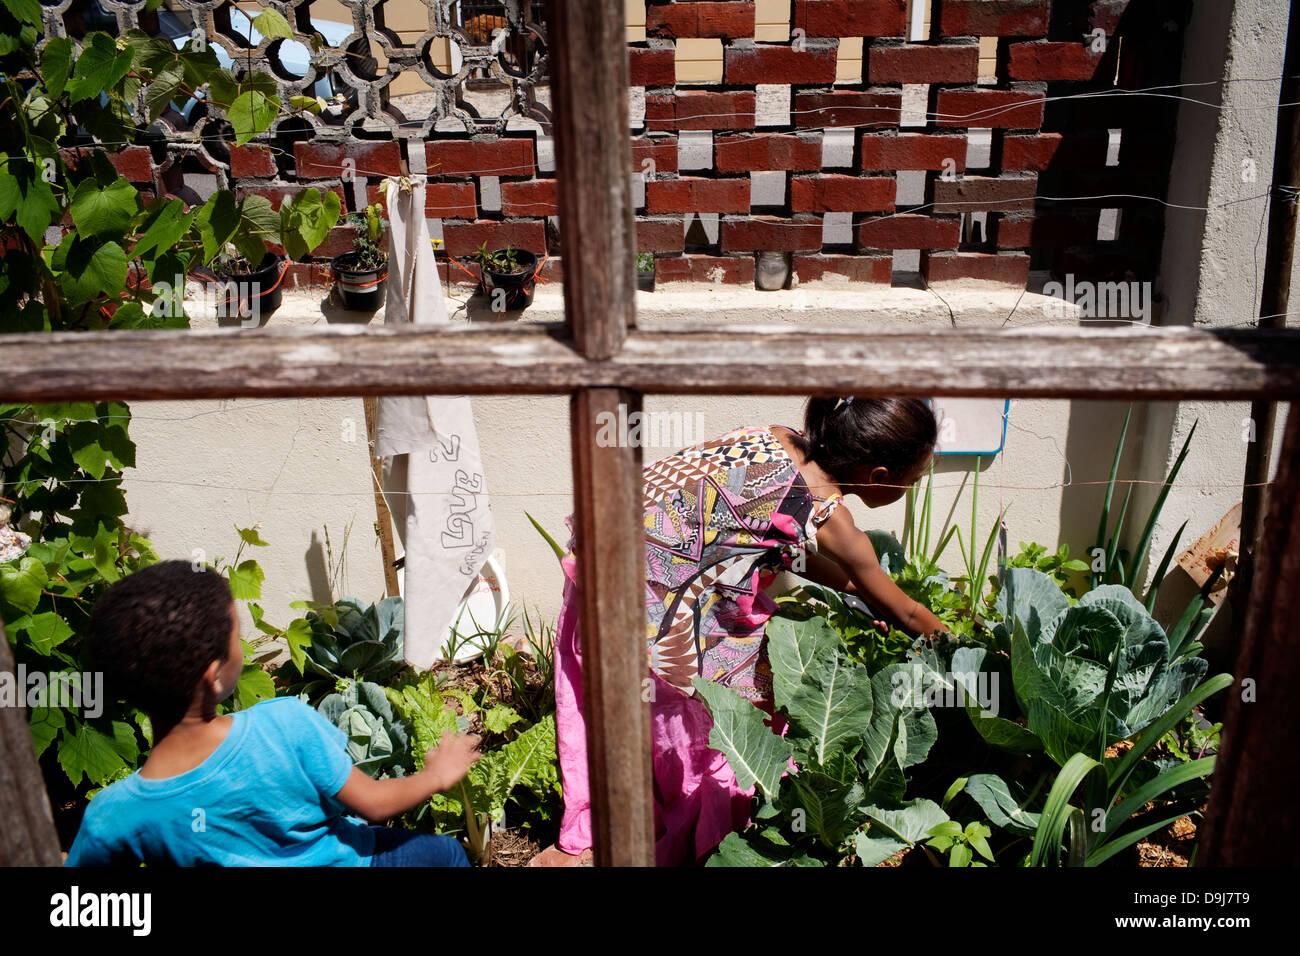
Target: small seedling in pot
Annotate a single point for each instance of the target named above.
(645, 271)
(359, 275)
(502, 260)
(370, 225)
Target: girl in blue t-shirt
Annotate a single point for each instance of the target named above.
(266, 786)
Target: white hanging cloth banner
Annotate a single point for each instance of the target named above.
(432, 467)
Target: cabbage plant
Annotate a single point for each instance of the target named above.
(1086, 675)
(362, 641)
(378, 741)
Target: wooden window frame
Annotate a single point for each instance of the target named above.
(601, 360)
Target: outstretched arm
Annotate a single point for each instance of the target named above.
(444, 766)
(849, 549)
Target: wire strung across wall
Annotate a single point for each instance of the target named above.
(136, 478)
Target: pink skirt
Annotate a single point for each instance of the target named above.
(697, 801)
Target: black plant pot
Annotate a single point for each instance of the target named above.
(255, 293)
(517, 286)
(361, 290)
(645, 281)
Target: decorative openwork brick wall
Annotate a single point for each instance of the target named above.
(976, 152)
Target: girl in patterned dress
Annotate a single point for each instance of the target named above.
(722, 518)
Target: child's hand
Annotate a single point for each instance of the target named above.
(448, 762)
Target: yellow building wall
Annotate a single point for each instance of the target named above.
(772, 20)
(635, 16)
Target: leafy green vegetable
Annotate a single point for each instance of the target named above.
(350, 640)
(851, 735)
(378, 741)
(1091, 674)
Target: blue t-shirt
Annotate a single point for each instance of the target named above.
(264, 797)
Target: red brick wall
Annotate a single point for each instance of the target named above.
(1046, 141)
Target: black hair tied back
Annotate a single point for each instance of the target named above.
(843, 434)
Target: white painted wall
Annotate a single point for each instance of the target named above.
(287, 466)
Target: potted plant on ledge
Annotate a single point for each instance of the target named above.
(251, 274)
(250, 290)
(645, 271)
(359, 275)
(507, 277)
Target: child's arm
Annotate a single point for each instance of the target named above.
(444, 766)
(849, 549)
(825, 571)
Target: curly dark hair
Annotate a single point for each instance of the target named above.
(895, 433)
(156, 631)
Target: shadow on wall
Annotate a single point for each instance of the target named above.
(318, 572)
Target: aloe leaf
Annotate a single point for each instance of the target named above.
(1105, 699)
(1057, 810)
(925, 513)
(909, 545)
(943, 545)
(957, 787)
(1144, 544)
(559, 552)
(1153, 788)
(977, 584)
(1188, 626)
(1150, 602)
(1119, 530)
(974, 505)
(1104, 522)
(1078, 845)
(1106, 850)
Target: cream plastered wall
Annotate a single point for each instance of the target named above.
(298, 467)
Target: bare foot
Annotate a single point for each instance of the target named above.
(554, 856)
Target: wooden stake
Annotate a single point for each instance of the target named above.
(383, 517)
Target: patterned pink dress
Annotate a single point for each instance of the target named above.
(721, 519)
